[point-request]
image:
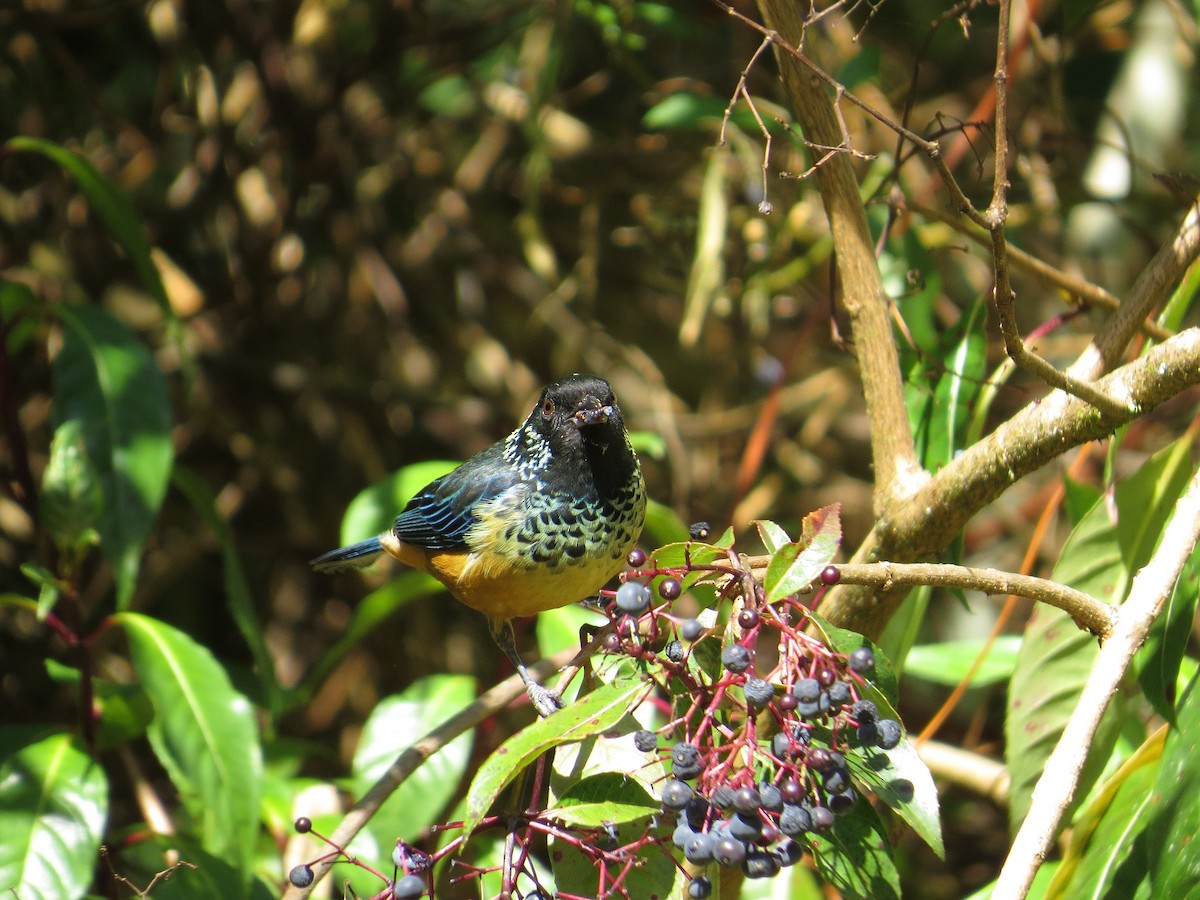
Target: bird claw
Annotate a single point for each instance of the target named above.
(544, 700)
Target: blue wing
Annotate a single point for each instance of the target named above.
(439, 517)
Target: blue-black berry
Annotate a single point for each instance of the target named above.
(409, 887)
(729, 851)
(819, 759)
(861, 660)
(746, 799)
(822, 818)
(301, 876)
(868, 734)
(670, 588)
(864, 711)
(842, 803)
(830, 575)
(735, 658)
(760, 864)
(303, 825)
(699, 888)
(675, 794)
(633, 598)
(746, 826)
(699, 849)
(807, 690)
(674, 651)
(772, 798)
(748, 618)
(889, 732)
(645, 740)
(795, 820)
(700, 531)
(685, 761)
(839, 694)
(780, 745)
(837, 781)
(683, 833)
(722, 797)
(791, 790)
(790, 853)
(758, 692)
(636, 558)
(691, 629)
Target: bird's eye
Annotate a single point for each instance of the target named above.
(547, 408)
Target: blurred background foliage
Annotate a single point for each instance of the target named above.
(384, 225)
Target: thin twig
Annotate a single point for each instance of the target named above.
(929, 148)
(997, 217)
(1147, 595)
(1083, 291)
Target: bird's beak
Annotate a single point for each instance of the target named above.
(590, 412)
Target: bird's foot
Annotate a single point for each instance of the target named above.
(544, 700)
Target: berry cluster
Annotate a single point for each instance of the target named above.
(758, 761)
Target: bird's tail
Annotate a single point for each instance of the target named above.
(353, 557)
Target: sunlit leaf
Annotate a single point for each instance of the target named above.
(53, 808)
(203, 733)
(795, 565)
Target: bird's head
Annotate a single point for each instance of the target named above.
(578, 409)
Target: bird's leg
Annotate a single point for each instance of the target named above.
(544, 700)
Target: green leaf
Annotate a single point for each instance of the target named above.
(71, 499)
(663, 524)
(237, 589)
(901, 779)
(113, 208)
(53, 807)
(591, 714)
(956, 391)
(601, 799)
(856, 857)
(594, 760)
(683, 110)
(772, 535)
(1172, 853)
(1102, 859)
(204, 734)
(107, 381)
(375, 509)
(947, 663)
(795, 565)
(1053, 663)
(1157, 662)
(393, 726)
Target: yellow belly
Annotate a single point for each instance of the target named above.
(504, 586)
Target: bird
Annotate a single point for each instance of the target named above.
(542, 518)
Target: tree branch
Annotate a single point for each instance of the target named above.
(922, 525)
(897, 469)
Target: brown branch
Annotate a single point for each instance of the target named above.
(922, 525)
(897, 469)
